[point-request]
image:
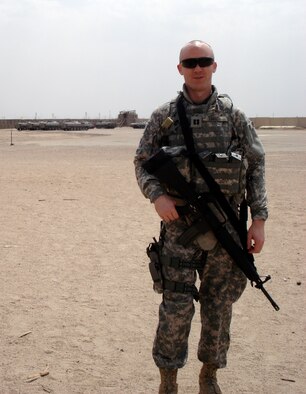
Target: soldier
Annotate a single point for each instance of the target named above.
(217, 126)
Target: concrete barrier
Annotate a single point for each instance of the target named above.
(299, 122)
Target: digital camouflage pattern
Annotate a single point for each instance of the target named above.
(223, 127)
(217, 127)
(222, 283)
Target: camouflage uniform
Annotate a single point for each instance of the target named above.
(222, 282)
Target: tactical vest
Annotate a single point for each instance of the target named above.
(216, 143)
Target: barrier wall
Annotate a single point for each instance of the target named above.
(258, 122)
(274, 122)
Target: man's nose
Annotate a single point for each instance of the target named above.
(198, 68)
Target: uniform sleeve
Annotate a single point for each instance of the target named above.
(255, 155)
(148, 146)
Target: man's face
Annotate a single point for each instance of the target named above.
(197, 78)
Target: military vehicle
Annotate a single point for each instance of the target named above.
(138, 125)
(22, 126)
(52, 125)
(55, 125)
(87, 125)
(74, 125)
(38, 125)
(106, 125)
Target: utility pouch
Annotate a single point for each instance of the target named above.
(228, 170)
(155, 266)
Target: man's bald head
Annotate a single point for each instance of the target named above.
(196, 45)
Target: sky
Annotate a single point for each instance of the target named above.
(95, 58)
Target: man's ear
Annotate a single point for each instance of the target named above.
(215, 67)
(179, 67)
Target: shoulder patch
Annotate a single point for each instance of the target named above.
(226, 102)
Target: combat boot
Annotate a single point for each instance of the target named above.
(168, 383)
(208, 380)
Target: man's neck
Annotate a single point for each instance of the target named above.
(198, 97)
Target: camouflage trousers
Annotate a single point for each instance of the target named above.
(221, 284)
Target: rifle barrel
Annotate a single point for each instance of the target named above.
(273, 303)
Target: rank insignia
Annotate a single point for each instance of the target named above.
(196, 121)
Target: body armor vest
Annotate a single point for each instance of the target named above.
(215, 141)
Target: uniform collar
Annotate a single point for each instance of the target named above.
(209, 99)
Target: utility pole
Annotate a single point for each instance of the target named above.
(12, 137)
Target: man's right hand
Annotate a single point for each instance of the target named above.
(165, 207)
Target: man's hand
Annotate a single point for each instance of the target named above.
(256, 236)
(165, 207)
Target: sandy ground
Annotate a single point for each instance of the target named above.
(76, 298)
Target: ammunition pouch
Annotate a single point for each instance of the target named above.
(228, 170)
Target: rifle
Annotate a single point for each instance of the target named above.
(164, 169)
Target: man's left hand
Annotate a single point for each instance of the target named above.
(256, 236)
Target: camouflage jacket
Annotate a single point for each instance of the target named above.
(223, 124)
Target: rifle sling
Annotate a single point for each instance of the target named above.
(211, 183)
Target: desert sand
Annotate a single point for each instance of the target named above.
(78, 313)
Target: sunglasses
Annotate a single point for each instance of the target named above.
(194, 61)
